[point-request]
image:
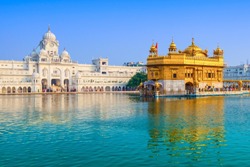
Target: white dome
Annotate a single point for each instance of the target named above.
(33, 53)
(35, 75)
(49, 35)
(65, 53)
(27, 57)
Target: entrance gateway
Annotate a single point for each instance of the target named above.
(56, 85)
(189, 87)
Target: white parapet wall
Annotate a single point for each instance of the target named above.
(173, 85)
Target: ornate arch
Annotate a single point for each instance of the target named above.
(56, 71)
(13, 89)
(8, 89)
(107, 88)
(4, 90)
(20, 90)
(66, 73)
(45, 72)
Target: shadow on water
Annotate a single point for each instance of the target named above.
(190, 129)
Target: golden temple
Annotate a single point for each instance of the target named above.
(183, 72)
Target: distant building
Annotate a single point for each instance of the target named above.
(237, 77)
(184, 71)
(134, 64)
(239, 72)
(137, 64)
(44, 69)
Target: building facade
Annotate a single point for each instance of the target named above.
(46, 70)
(134, 64)
(239, 72)
(237, 77)
(184, 71)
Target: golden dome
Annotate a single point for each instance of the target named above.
(218, 51)
(194, 50)
(172, 47)
(153, 48)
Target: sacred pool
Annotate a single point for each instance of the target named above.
(105, 130)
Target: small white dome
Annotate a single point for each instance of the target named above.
(65, 54)
(49, 35)
(27, 57)
(33, 53)
(35, 75)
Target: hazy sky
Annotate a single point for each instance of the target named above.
(123, 30)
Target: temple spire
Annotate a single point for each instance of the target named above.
(192, 41)
(48, 27)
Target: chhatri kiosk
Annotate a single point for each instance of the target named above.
(183, 72)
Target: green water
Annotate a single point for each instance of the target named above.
(123, 130)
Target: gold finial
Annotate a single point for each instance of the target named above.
(172, 47)
(153, 48)
(192, 41)
(218, 51)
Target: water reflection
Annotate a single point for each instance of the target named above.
(35, 109)
(122, 130)
(186, 127)
(62, 108)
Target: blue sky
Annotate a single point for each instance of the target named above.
(123, 30)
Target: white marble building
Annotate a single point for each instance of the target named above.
(237, 76)
(240, 72)
(47, 70)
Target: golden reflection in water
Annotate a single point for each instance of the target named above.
(186, 126)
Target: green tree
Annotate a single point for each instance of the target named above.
(137, 79)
